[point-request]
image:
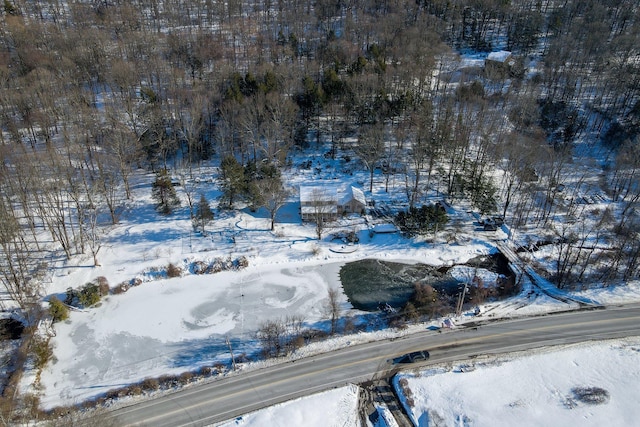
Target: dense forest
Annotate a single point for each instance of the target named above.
(94, 90)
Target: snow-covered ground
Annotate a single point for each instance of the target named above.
(169, 326)
(172, 325)
(539, 389)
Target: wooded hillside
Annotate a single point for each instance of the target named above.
(93, 90)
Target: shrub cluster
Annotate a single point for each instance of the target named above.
(42, 352)
(125, 286)
(103, 285)
(57, 309)
(150, 385)
(591, 395)
(173, 270)
(408, 394)
(219, 264)
(199, 267)
(121, 288)
(280, 337)
(346, 236)
(398, 322)
(427, 301)
(89, 294)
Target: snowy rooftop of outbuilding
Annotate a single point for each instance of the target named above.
(500, 56)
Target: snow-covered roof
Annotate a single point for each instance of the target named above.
(500, 56)
(353, 193)
(331, 193)
(318, 193)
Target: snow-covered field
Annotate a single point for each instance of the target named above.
(538, 389)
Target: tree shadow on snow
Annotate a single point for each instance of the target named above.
(149, 236)
(200, 352)
(287, 214)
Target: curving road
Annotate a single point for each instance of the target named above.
(239, 394)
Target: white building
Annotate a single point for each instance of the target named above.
(330, 201)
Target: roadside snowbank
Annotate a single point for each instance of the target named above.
(529, 389)
(337, 407)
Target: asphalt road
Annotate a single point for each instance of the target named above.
(244, 392)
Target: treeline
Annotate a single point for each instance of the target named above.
(92, 90)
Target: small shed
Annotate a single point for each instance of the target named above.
(501, 57)
(498, 63)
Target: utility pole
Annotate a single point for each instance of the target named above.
(233, 360)
(461, 299)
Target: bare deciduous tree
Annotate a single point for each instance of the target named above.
(92, 233)
(321, 209)
(277, 129)
(333, 308)
(370, 148)
(272, 337)
(274, 196)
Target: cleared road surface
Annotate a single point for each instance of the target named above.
(239, 394)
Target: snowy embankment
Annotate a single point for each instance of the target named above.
(589, 384)
(337, 407)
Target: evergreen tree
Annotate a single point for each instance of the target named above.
(164, 194)
(483, 195)
(204, 214)
(232, 179)
(426, 219)
(89, 295)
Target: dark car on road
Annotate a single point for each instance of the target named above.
(414, 356)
